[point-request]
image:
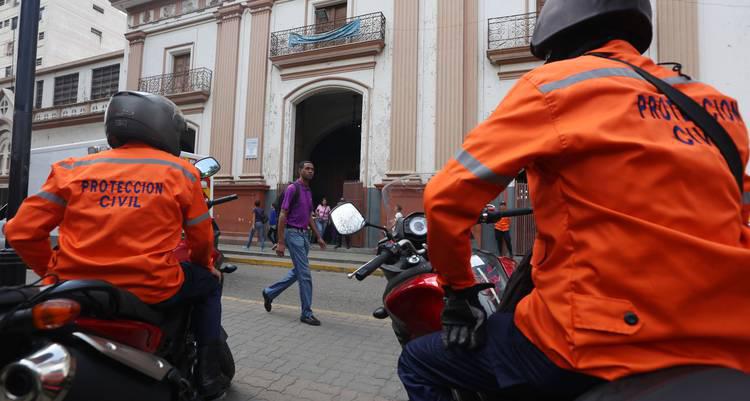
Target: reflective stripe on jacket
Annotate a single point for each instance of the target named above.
(121, 213)
(642, 253)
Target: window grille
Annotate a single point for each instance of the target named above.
(105, 81)
(66, 89)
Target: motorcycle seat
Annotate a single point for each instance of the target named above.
(101, 299)
(684, 383)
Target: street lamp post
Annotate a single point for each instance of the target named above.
(12, 268)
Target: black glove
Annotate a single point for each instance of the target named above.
(463, 317)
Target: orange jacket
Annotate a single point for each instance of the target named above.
(121, 213)
(503, 224)
(642, 253)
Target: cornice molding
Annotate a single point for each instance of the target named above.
(135, 37)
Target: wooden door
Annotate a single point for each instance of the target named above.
(181, 74)
(354, 192)
(330, 18)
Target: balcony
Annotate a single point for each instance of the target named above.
(508, 38)
(193, 86)
(359, 36)
(70, 114)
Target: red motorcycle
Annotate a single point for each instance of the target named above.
(414, 302)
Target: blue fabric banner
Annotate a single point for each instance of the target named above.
(347, 30)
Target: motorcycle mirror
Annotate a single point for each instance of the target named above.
(208, 166)
(347, 219)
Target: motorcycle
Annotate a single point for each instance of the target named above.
(87, 339)
(414, 300)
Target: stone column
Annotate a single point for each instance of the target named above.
(450, 80)
(135, 58)
(260, 25)
(405, 80)
(471, 65)
(224, 90)
(677, 34)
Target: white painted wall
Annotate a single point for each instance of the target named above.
(68, 33)
(724, 40)
(201, 40)
(66, 135)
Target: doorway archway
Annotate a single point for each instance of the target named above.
(328, 129)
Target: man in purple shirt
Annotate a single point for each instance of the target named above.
(294, 221)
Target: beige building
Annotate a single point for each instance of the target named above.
(367, 89)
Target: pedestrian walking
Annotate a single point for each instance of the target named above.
(272, 222)
(294, 220)
(257, 223)
(323, 213)
(502, 233)
(346, 239)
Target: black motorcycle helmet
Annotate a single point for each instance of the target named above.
(569, 28)
(144, 117)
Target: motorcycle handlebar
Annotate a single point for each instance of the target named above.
(494, 217)
(369, 267)
(223, 199)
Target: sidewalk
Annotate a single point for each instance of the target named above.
(334, 260)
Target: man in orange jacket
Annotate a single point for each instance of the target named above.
(641, 255)
(121, 214)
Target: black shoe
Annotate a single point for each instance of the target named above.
(312, 321)
(212, 383)
(266, 301)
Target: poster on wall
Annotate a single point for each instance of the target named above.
(251, 148)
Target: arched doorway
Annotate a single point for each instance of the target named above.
(328, 128)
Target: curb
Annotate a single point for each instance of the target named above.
(285, 263)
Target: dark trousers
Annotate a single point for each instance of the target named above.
(203, 291)
(503, 237)
(508, 362)
(272, 234)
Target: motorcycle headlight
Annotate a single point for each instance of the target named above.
(418, 225)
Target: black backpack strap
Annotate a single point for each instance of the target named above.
(693, 111)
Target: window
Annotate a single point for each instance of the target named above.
(9, 49)
(98, 9)
(41, 13)
(2, 2)
(14, 23)
(6, 23)
(105, 81)
(41, 35)
(330, 18)
(66, 89)
(96, 32)
(39, 92)
(38, 61)
(8, 71)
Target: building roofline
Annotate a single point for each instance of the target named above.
(72, 64)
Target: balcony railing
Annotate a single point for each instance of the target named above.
(196, 80)
(510, 32)
(371, 28)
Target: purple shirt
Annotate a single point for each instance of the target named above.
(299, 216)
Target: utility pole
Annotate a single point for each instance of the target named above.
(12, 268)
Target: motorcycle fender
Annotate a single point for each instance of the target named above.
(148, 364)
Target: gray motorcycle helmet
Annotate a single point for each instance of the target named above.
(144, 117)
(566, 25)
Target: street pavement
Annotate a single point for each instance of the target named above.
(350, 357)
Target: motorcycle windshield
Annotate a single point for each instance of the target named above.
(403, 196)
